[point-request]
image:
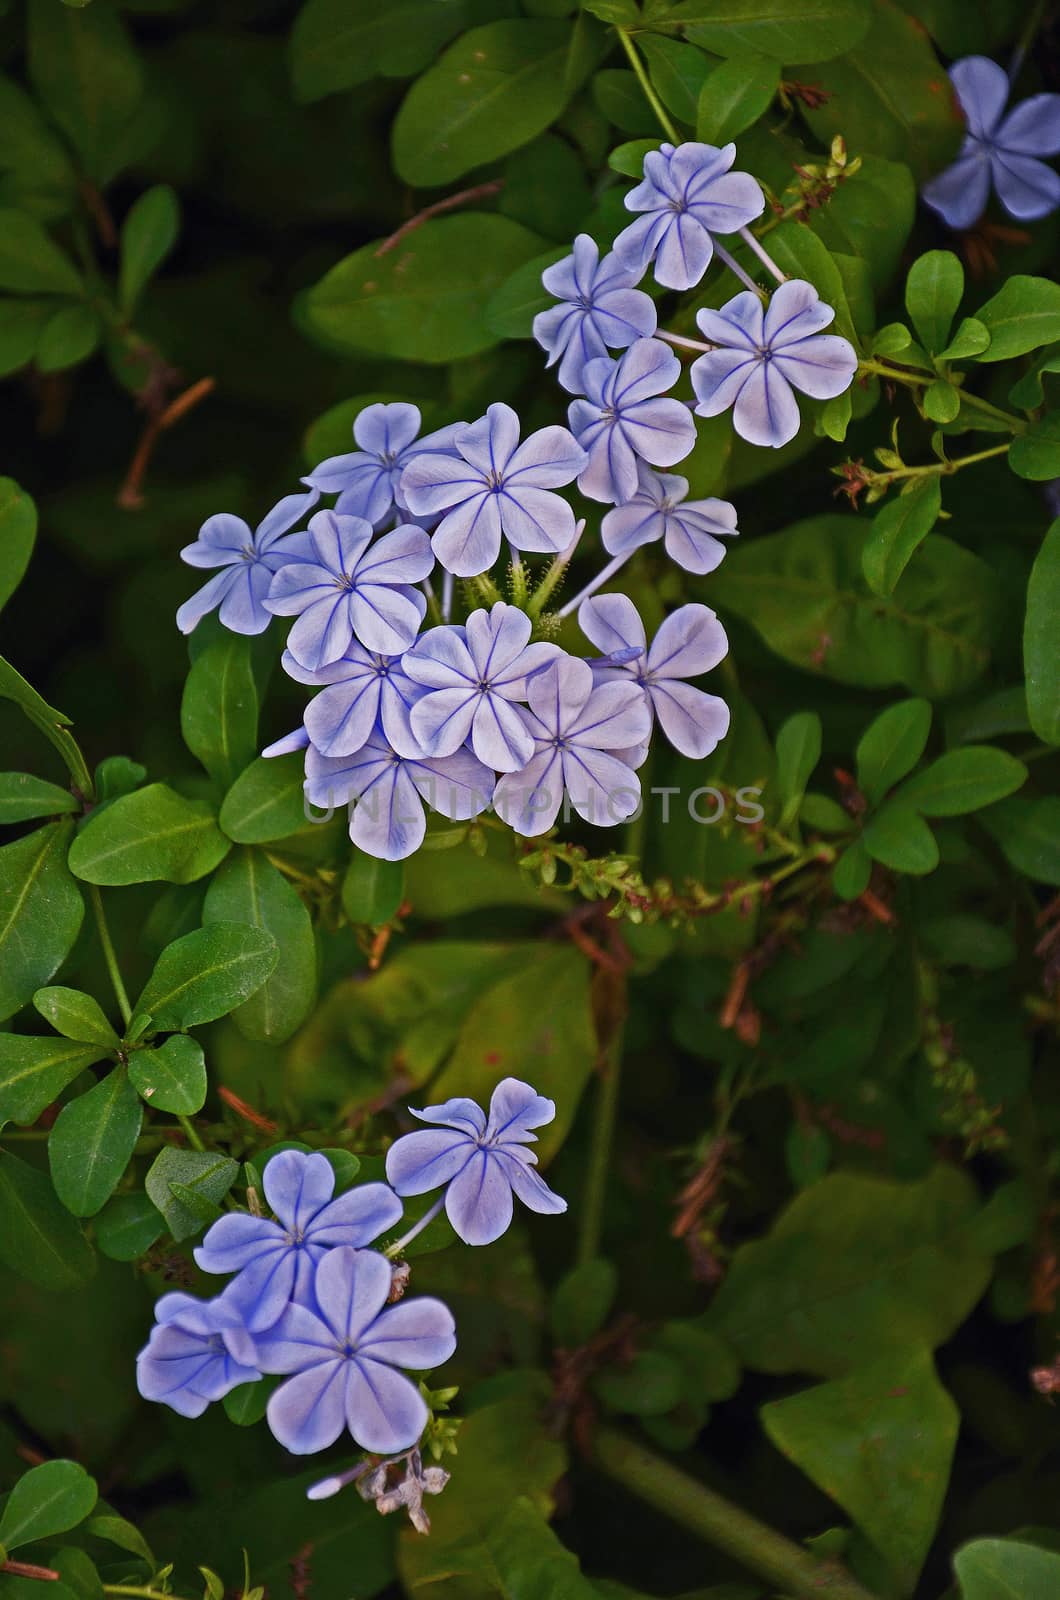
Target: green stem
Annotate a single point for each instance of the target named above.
(645, 82)
(778, 1560)
(54, 725)
(109, 954)
(135, 1589)
(939, 468)
(605, 1116)
(190, 1134)
(554, 572)
(920, 380)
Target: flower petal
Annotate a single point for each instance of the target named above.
(356, 1217)
(612, 622)
(388, 820)
(694, 722)
(684, 252)
(478, 1202)
(529, 801)
(766, 411)
(351, 1288)
(549, 459)
(529, 1187)
(297, 1186)
(515, 1108)
(433, 483)
(795, 312)
(499, 736)
(425, 1160)
(821, 367)
(602, 788)
(419, 1333)
(536, 519)
(385, 1412)
(385, 430)
(960, 192)
(441, 720)
(235, 1240)
(468, 540)
(690, 640)
(205, 599)
(1027, 188)
(308, 1412)
(982, 88)
(1032, 128)
(385, 617)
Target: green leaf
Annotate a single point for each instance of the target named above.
(1024, 314)
(620, 98)
(267, 801)
(511, 311)
(495, 89)
(76, 1015)
(424, 299)
(963, 780)
(649, 1386)
(971, 339)
(39, 1239)
(628, 158)
(852, 872)
(870, 216)
(891, 746)
(23, 797)
(246, 1404)
(804, 591)
(962, 940)
(800, 253)
(1028, 833)
(785, 30)
(207, 1176)
(941, 401)
(855, 1268)
(40, 912)
(1040, 661)
(338, 43)
(206, 974)
(47, 1500)
(69, 336)
(89, 77)
(735, 95)
(1006, 1569)
(219, 708)
(36, 174)
(149, 834)
(798, 752)
(34, 1072)
(127, 1227)
(372, 890)
(677, 72)
(171, 1077)
(898, 529)
(582, 1302)
(899, 838)
(148, 234)
(933, 291)
(880, 1443)
(1036, 453)
(92, 1142)
(248, 889)
(21, 323)
(18, 533)
(29, 262)
(106, 1524)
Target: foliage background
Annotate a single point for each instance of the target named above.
(829, 1223)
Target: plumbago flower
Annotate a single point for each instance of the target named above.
(762, 355)
(199, 1351)
(1001, 150)
(622, 419)
(356, 692)
(249, 561)
(691, 530)
(366, 481)
(481, 1161)
(688, 193)
(601, 310)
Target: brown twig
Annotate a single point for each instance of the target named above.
(130, 495)
(247, 1112)
(26, 1569)
(480, 191)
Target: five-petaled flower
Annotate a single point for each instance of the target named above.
(622, 419)
(482, 1161)
(689, 642)
(275, 1261)
(687, 194)
(341, 585)
(601, 310)
(691, 530)
(357, 692)
(580, 734)
(198, 1352)
(367, 479)
(249, 561)
(1004, 150)
(345, 1354)
(762, 355)
(468, 679)
(495, 487)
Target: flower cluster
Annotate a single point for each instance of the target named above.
(415, 708)
(309, 1299)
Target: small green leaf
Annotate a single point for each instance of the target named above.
(267, 801)
(150, 834)
(336, 44)
(891, 746)
(23, 797)
(92, 1142)
(372, 890)
(40, 912)
(148, 234)
(941, 401)
(69, 336)
(248, 889)
(246, 1404)
(85, 69)
(219, 709)
(582, 1301)
(76, 1015)
(851, 874)
(1041, 660)
(206, 974)
(18, 533)
(511, 311)
(1036, 453)
(649, 1386)
(971, 339)
(782, 29)
(47, 1500)
(798, 752)
(29, 262)
(963, 780)
(933, 291)
(628, 158)
(106, 1524)
(34, 1072)
(736, 94)
(677, 72)
(898, 528)
(127, 1227)
(1006, 1569)
(171, 1077)
(39, 1239)
(899, 838)
(1024, 314)
(208, 1176)
(963, 940)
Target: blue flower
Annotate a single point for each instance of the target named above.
(197, 1353)
(249, 561)
(691, 530)
(341, 586)
(495, 487)
(359, 691)
(601, 310)
(275, 1260)
(688, 193)
(366, 481)
(690, 641)
(621, 419)
(386, 792)
(468, 679)
(344, 1357)
(762, 355)
(481, 1161)
(999, 149)
(579, 732)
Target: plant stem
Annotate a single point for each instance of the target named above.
(135, 1589)
(763, 255)
(737, 271)
(780, 1561)
(555, 571)
(190, 1133)
(109, 954)
(605, 1113)
(679, 338)
(428, 1217)
(939, 468)
(920, 380)
(598, 582)
(645, 82)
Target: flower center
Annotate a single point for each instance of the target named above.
(295, 1238)
(249, 553)
(345, 581)
(495, 479)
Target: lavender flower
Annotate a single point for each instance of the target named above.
(198, 1351)
(574, 725)
(621, 419)
(763, 355)
(344, 1357)
(342, 586)
(601, 309)
(386, 792)
(468, 679)
(275, 1261)
(495, 487)
(366, 481)
(687, 194)
(998, 149)
(690, 641)
(659, 510)
(249, 561)
(359, 691)
(481, 1161)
